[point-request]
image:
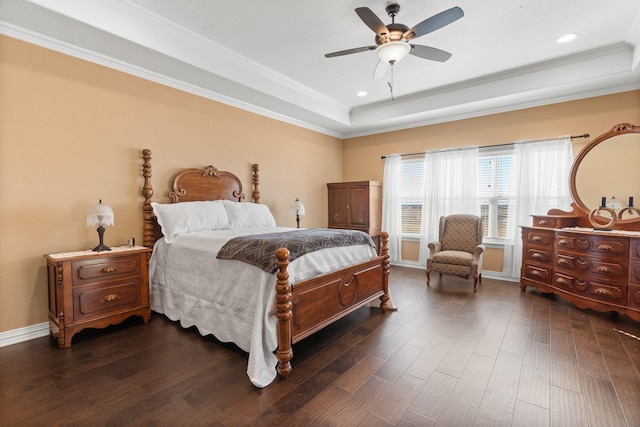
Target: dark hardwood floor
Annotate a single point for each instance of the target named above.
(447, 357)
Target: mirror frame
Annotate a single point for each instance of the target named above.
(619, 129)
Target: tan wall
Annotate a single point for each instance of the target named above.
(71, 133)
(593, 116)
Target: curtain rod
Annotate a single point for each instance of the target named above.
(584, 135)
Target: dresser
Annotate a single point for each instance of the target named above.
(96, 289)
(356, 206)
(590, 255)
(592, 269)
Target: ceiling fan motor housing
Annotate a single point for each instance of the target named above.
(396, 32)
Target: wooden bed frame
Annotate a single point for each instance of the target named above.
(301, 308)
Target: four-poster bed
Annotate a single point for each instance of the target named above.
(297, 304)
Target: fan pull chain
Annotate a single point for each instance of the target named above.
(391, 83)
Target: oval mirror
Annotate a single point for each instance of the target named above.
(608, 167)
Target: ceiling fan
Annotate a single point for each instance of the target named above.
(393, 40)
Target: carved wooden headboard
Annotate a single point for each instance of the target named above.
(190, 185)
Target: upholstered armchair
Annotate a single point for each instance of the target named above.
(459, 249)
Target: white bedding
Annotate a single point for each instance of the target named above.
(188, 283)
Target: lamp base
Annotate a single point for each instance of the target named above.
(101, 247)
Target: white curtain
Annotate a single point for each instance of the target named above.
(450, 187)
(539, 182)
(392, 205)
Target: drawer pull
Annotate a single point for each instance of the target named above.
(605, 247)
(110, 297)
(563, 242)
(563, 261)
(605, 269)
(536, 255)
(603, 291)
(543, 222)
(536, 273)
(108, 269)
(536, 239)
(562, 281)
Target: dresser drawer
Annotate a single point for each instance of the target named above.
(551, 221)
(538, 255)
(537, 273)
(95, 300)
(635, 249)
(607, 292)
(634, 273)
(569, 282)
(634, 296)
(103, 268)
(538, 237)
(594, 245)
(576, 264)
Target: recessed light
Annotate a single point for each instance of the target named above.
(567, 38)
(361, 93)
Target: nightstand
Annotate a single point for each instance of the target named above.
(96, 289)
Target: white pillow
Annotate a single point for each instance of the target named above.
(248, 215)
(187, 217)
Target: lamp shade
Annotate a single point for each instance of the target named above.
(297, 208)
(392, 52)
(100, 214)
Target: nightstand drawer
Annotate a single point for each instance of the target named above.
(93, 300)
(95, 270)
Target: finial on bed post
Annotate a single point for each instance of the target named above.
(384, 251)
(284, 313)
(147, 192)
(256, 181)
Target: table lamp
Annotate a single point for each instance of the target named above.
(100, 215)
(298, 210)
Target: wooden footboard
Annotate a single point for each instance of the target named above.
(309, 306)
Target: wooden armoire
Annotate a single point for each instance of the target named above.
(356, 206)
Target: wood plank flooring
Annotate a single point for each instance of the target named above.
(447, 357)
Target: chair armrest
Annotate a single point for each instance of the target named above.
(478, 250)
(435, 247)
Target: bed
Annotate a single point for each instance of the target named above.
(264, 310)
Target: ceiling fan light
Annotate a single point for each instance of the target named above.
(393, 52)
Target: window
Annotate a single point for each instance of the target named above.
(494, 168)
(412, 172)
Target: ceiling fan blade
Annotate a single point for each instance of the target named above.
(428, 52)
(436, 22)
(349, 51)
(381, 69)
(372, 21)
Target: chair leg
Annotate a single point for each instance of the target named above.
(428, 278)
(475, 284)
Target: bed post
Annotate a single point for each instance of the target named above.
(256, 181)
(284, 314)
(147, 211)
(384, 251)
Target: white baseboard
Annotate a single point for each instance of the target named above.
(485, 273)
(24, 334)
